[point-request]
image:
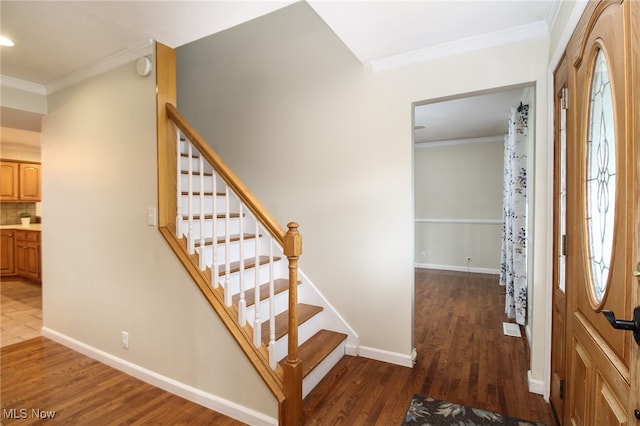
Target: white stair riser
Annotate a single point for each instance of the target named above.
(322, 369)
(248, 247)
(249, 278)
(195, 183)
(305, 331)
(195, 165)
(208, 204)
(234, 227)
(281, 304)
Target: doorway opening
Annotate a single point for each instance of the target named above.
(458, 179)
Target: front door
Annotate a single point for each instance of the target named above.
(603, 216)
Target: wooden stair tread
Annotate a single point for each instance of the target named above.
(206, 194)
(305, 312)
(232, 239)
(210, 216)
(279, 285)
(248, 264)
(186, 172)
(317, 348)
(186, 155)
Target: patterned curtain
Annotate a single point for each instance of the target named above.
(513, 267)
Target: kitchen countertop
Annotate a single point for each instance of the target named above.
(30, 227)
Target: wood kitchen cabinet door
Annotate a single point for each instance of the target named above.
(30, 182)
(28, 254)
(7, 259)
(9, 175)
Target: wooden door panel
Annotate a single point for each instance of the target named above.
(609, 410)
(579, 384)
(558, 354)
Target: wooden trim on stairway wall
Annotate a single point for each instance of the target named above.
(166, 93)
(167, 210)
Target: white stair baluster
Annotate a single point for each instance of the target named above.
(216, 269)
(242, 304)
(178, 186)
(202, 258)
(272, 308)
(257, 330)
(227, 263)
(190, 240)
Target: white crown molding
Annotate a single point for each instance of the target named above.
(125, 56)
(468, 44)
(25, 86)
(451, 142)
(552, 13)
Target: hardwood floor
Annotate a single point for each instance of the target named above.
(463, 357)
(39, 374)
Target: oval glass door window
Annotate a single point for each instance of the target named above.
(601, 177)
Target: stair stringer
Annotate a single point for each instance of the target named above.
(243, 335)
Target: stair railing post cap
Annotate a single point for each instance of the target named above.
(292, 241)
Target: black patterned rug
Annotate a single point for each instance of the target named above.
(424, 411)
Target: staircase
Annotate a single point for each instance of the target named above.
(242, 260)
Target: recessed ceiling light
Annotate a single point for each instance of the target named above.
(5, 41)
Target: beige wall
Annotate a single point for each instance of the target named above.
(326, 142)
(18, 144)
(106, 271)
(462, 183)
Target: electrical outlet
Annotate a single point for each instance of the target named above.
(423, 255)
(125, 339)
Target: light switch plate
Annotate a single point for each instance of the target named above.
(151, 216)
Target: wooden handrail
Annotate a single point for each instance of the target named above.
(227, 175)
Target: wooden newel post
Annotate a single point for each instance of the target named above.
(293, 366)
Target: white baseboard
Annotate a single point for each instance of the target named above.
(458, 268)
(535, 385)
(405, 360)
(213, 402)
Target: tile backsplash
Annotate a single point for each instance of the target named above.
(10, 212)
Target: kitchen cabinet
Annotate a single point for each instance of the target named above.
(9, 175)
(27, 254)
(7, 258)
(20, 181)
(29, 182)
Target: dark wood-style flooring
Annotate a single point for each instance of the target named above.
(463, 357)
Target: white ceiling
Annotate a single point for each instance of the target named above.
(468, 118)
(54, 39)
